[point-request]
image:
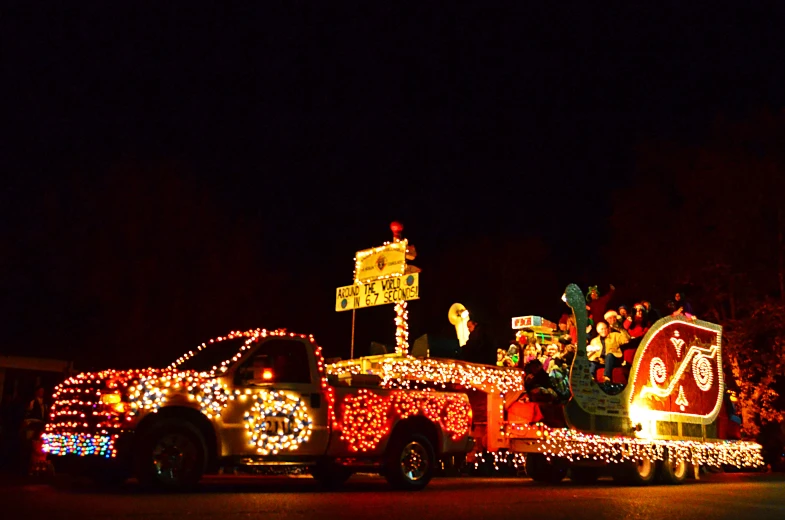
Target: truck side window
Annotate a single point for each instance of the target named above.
(276, 361)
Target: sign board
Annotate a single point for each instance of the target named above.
(523, 322)
(379, 292)
(380, 262)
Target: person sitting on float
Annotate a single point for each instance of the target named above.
(537, 383)
(559, 369)
(529, 354)
(509, 357)
(614, 322)
(605, 350)
(567, 353)
(639, 325)
(572, 329)
(596, 304)
(550, 358)
(681, 307)
(651, 314)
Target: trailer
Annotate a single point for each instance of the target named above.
(665, 417)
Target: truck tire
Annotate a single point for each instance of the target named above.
(171, 455)
(410, 462)
(584, 475)
(540, 469)
(672, 471)
(635, 473)
(331, 475)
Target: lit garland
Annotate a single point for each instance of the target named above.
(277, 422)
(499, 459)
(368, 417)
(365, 420)
(403, 372)
(574, 445)
(252, 335)
(82, 444)
(401, 329)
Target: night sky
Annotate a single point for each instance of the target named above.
(322, 123)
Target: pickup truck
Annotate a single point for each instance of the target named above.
(251, 398)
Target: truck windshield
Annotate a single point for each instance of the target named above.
(212, 355)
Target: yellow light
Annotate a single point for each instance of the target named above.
(119, 407)
(267, 374)
(111, 399)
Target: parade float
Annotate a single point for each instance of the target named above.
(665, 417)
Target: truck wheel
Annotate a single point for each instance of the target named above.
(635, 473)
(582, 475)
(674, 471)
(539, 469)
(331, 475)
(171, 455)
(410, 462)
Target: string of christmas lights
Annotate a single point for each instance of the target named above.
(401, 328)
(406, 372)
(574, 445)
(82, 444)
(277, 422)
(500, 460)
(367, 416)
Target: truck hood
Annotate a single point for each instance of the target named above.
(111, 398)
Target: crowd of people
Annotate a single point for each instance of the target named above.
(546, 359)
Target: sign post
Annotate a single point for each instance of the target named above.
(381, 277)
(351, 354)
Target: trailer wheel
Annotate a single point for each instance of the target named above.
(410, 462)
(331, 475)
(539, 469)
(635, 473)
(673, 471)
(582, 475)
(171, 455)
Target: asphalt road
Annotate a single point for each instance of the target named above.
(736, 496)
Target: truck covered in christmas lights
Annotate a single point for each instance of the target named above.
(251, 398)
(667, 416)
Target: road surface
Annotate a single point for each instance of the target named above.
(733, 496)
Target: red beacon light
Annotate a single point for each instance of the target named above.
(397, 229)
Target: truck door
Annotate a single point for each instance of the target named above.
(277, 408)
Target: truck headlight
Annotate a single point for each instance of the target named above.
(111, 398)
(114, 401)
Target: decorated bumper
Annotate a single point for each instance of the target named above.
(80, 444)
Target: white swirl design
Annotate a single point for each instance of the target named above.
(702, 372)
(657, 371)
